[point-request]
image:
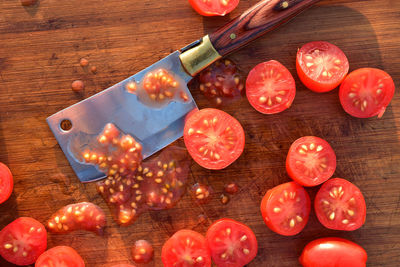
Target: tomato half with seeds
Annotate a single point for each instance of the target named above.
(366, 92)
(6, 183)
(270, 88)
(333, 252)
(213, 7)
(340, 205)
(213, 138)
(23, 241)
(186, 248)
(60, 256)
(321, 66)
(310, 161)
(286, 208)
(232, 244)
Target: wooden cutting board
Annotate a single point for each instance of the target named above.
(40, 49)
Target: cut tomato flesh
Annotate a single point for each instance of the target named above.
(6, 183)
(270, 88)
(366, 92)
(60, 256)
(213, 7)
(340, 205)
(310, 161)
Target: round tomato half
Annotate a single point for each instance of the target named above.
(60, 256)
(333, 252)
(366, 92)
(310, 161)
(232, 243)
(22, 241)
(213, 7)
(340, 205)
(6, 183)
(186, 248)
(270, 88)
(213, 138)
(286, 208)
(321, 66)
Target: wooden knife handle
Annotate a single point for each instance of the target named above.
(263, 17)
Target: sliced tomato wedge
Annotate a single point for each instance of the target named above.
(186, 248)
(321, 66)
(366, 92)
(22, 241)
(60, 256)
(333, 252)
(310, 161)
(232, 243)
(340, 205)
(213, 7)
(6, 183)
(286, 208)
(270, 88)
(213, 138)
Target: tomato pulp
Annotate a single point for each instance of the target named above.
(213, 7)
(6, 183)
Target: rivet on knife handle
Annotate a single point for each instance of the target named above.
(263, 17)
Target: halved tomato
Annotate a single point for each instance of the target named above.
(286, 208)
(270, 88)
(22, 241)
(213, 7)
(213, 138)
(321, 66)
(310, 161)
(340, 205)
(232, 243)
(60, 256)
(186, 248)
(6, 183)
(366, 92)
(333, 252)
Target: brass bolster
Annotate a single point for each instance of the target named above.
(199, 57)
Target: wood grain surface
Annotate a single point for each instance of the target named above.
(40, 49)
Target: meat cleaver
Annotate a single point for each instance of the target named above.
(136, 110)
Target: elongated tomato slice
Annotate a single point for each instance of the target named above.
(60, 256)
(366, 92)
(310, 161)
(321, 66)
(286, 208)
(6, 182)
(186, 248)
(232, 243)
(22, 241)
(213, 7)
(84, 216)
(270, 88)
(213, 138)
(340, 205)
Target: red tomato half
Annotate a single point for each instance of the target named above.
(340, 205)
(6, 183)
(22, 241)
(286, 208)
(321, 66)
(214, 7)
(366, 92)
(186, 248)
(333, 252)
(310, 161)
(213, 138)
(60, 256)
(270, 88)
(232, 243)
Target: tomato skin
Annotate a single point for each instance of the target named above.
(327, 50)
(237, 230)
(60, 255)
(6, 183)
(375, 81)
(333, 252)
(24, 235)
(219, 10)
